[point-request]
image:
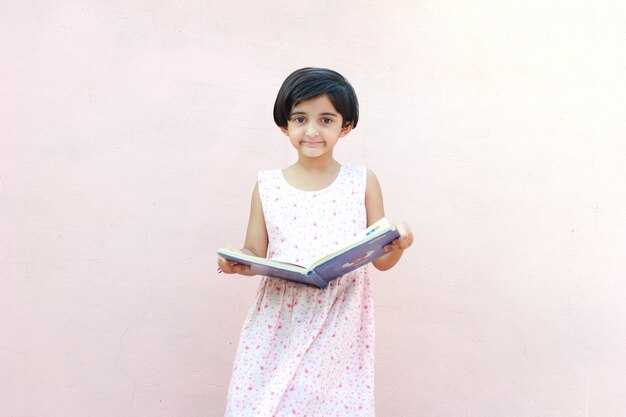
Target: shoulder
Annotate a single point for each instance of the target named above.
(370, 173)
(372, 186)
(355, 170)
(355, 176)
(265, 172)
(361, 169)
(268, 175)
(373, 198)
(372, 179)
(365, 176)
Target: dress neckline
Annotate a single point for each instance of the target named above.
(282, 176)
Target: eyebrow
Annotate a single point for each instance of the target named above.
(304, 113)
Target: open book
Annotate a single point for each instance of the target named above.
(362, 249)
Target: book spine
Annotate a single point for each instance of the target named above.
(317, 279)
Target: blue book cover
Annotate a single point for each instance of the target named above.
(363, 249)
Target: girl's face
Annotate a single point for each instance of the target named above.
(314, 127)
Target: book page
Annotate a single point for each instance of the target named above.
(375, 229)
(245, 259)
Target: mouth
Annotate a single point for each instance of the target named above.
(310, 144)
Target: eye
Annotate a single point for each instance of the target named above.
(298, 119)
(327, 120)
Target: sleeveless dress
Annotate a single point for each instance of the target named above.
(305, 351)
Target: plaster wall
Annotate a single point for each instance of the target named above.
(130, 137)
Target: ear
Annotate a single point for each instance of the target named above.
(345, 130)
(285, 131)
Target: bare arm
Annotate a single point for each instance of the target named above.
(375, 211)
(256, 237)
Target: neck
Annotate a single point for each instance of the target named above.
(318, 164)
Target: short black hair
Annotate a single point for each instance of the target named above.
(307, 83)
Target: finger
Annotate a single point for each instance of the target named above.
(224, 265)
(221, 262)
(242, 269)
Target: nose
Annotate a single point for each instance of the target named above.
(312, 129)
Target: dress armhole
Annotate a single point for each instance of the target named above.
(364, 181)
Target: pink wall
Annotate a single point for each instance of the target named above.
(130, 134)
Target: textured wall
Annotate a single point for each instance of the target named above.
(130, 135)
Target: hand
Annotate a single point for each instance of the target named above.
(404, 241)
(230, 267)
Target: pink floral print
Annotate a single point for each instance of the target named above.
(303, 351)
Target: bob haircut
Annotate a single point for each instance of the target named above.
(308, 83)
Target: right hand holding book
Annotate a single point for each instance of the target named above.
(231, 267)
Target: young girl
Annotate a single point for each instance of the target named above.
(305, 351)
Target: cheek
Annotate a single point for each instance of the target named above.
(297, 131)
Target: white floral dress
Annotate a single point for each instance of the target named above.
(303, 351)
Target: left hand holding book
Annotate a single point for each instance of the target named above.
(404, 241)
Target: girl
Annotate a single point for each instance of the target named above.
(305, 351)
